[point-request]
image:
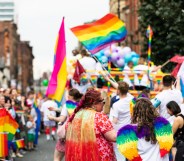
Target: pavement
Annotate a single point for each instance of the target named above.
(45, 151)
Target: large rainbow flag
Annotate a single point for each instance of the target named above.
(97, 35)
(58, 78)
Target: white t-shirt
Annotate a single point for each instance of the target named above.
(141, 69)
(126, 79)
(30, 130)
(88, 63)
(150, 152)
(165, 97)
(64, 111)
(121, 111)
(182, 108)
(46, 111)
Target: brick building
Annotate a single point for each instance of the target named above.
(127, 11)
(15, 56)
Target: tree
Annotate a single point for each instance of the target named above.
(166, 18)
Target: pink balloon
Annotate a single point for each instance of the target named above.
(120, 62)
(114, 56)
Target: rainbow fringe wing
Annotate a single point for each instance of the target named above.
(127, 142)
(163, 132)
(70, 105)
(132, 104)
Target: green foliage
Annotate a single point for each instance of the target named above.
(166, 18)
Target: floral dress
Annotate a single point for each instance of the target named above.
(105, 148)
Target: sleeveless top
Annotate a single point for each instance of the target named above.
(179, 135)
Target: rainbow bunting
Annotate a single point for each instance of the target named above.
(131, 77)
(158, 78)
(70, 105)
(99, 34)
(58, 78)
(3, 145)
(139, 77)
(163, 131)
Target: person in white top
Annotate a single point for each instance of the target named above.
(141, 69)
(121, 112)
(47, 123)
(168, 94)
(127, 71)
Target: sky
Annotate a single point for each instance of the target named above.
(39, 22)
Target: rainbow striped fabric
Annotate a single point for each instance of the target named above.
(19, 144)
(97, 35)
(71, 105)
(127, 138)
(7, 123)
(58, 78)
(3, 145)
(163, 131)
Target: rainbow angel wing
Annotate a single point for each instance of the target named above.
(163, 132)
(127, 142)
(132, 104)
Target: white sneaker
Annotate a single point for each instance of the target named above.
(19, 155)
(48, 137)
(13, 155)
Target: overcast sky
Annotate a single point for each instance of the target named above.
(39, 22)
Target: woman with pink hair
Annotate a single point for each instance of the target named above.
(89, 133)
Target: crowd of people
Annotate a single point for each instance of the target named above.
(142, 128)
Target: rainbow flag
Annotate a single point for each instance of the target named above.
(97, 35)
(7, 123)
(58, 78)
(3, 145)
(70, 105)
(19, 143)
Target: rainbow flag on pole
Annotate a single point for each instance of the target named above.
(58, 78)
(97, 35)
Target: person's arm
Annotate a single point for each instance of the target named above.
(176, 125)
(57, 119)
(178, 87)
(115, 114)
(111, 136)
(115, 120)
(54, 109)
(114, 84)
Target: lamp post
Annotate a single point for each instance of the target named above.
(119, 16)
(118, 9)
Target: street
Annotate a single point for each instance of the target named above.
(45, 151)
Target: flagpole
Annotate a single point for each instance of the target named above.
(105, 69)
(149, 35)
